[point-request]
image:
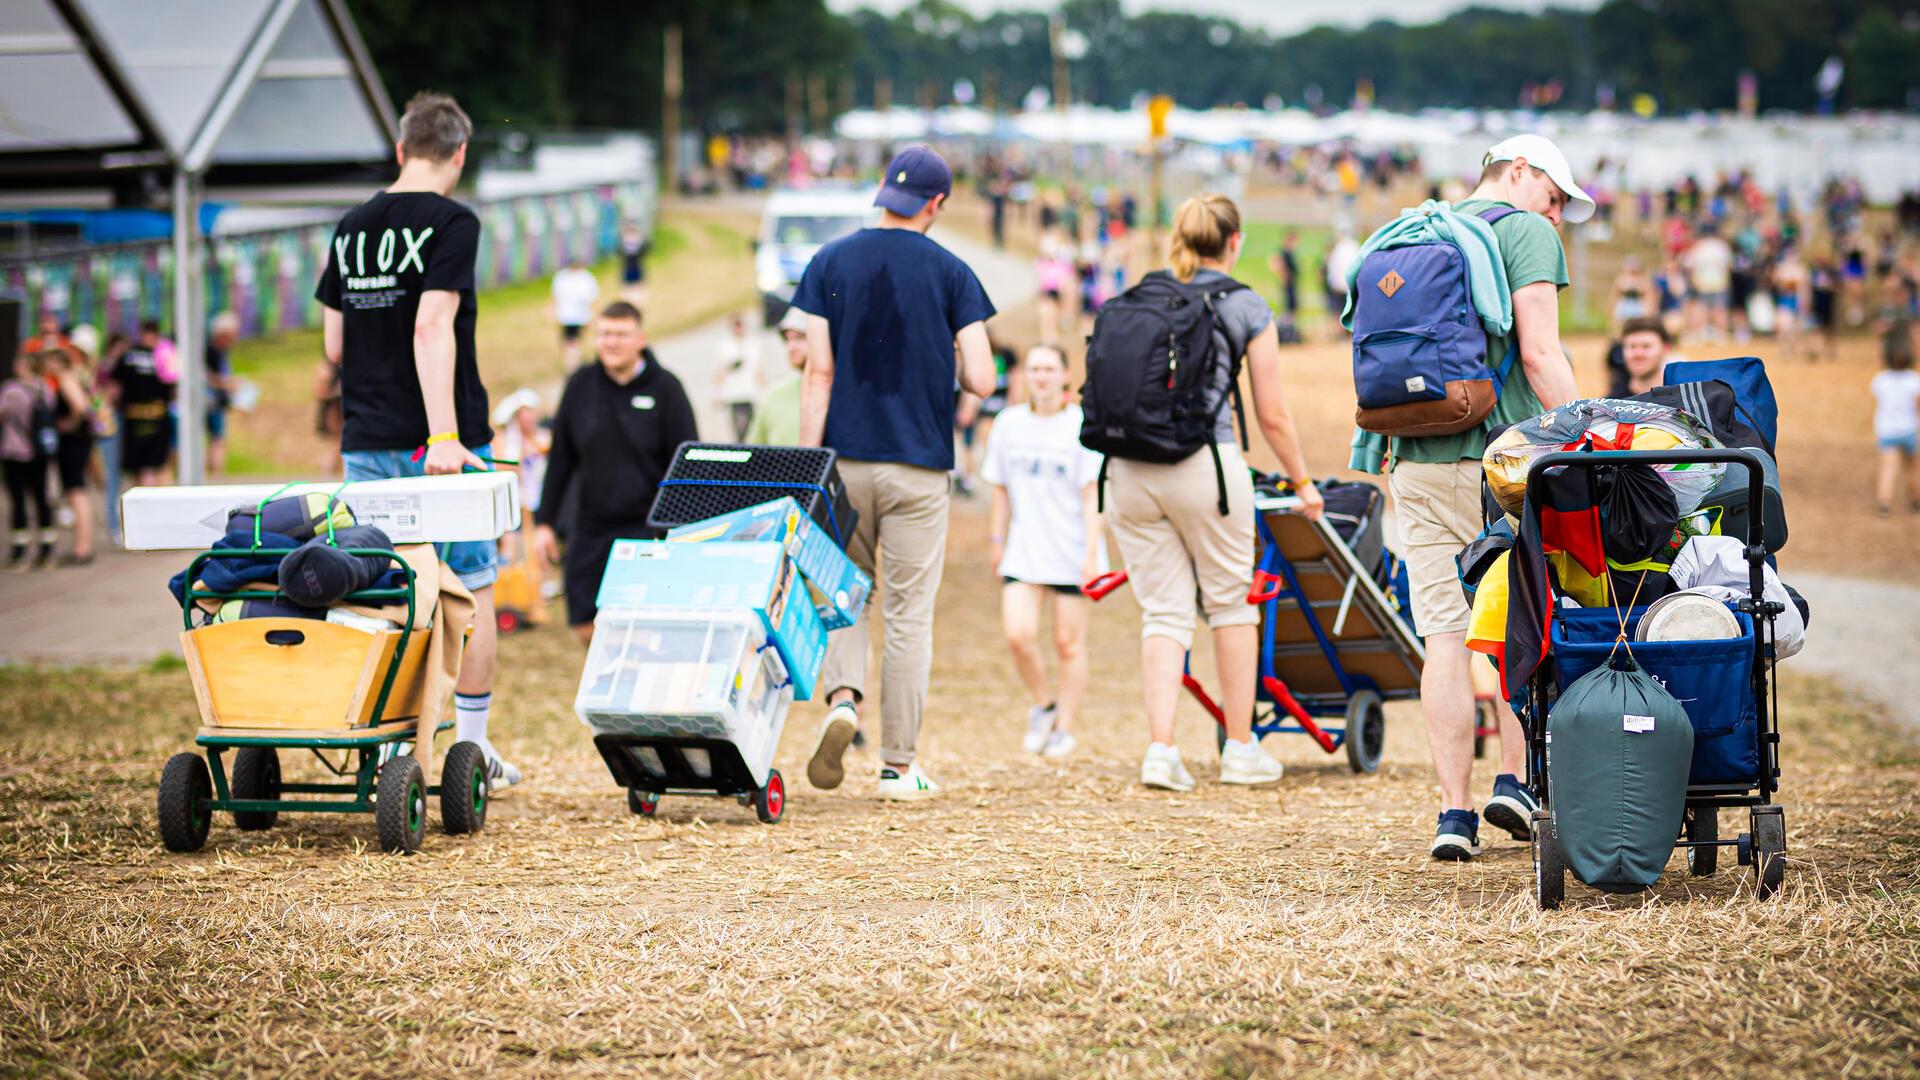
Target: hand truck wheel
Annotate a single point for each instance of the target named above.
(1366, 736)
(256, 775)
(643, 803)
(770, 802)
(185, 791)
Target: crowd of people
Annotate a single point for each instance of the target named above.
(81, 416)
(889, 362)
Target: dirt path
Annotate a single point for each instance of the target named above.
(1042, 918)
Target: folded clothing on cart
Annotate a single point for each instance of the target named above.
(245, 567)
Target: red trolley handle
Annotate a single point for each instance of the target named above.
(1099, 587)
(1265, 587)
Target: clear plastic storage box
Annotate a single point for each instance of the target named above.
(665, 675)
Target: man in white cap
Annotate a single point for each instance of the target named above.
(1436, 480)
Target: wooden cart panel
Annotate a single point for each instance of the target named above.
(299, 674)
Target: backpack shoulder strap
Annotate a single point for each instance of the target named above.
(1496, 213)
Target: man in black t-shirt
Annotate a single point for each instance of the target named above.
(619, 422)
(398, 320)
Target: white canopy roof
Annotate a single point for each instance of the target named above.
(97, 86)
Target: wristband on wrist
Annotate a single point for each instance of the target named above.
(445, 436)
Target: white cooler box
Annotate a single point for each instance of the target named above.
(683, 700)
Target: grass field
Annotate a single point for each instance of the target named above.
(1039, 919)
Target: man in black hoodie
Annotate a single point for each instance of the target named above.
(615, 432)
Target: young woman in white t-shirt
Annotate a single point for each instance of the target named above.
(1896, 406)
(1046, 542)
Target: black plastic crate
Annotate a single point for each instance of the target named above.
(709, 479)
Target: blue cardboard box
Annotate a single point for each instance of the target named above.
(840, 589)
(755, 576)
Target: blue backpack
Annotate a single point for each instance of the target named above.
(1419, 350)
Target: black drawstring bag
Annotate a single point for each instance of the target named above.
(1637, 511)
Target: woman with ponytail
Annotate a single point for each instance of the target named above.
(1169, 523)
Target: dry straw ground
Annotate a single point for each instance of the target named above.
(1040, 919)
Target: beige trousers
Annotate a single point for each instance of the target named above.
(1181, 553)
(902, 529)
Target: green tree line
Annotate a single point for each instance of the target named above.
(754, 64)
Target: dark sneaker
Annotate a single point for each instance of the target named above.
(1511, 807)
(1458, 837)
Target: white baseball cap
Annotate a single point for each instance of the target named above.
(524, 398)
(794, 319)
(1543, 155)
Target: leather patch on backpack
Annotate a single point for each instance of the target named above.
(1391, 283)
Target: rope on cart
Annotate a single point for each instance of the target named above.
(1622, 616)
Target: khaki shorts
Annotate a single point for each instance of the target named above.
(1437, 505)
(1181, 554)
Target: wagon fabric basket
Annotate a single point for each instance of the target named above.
(1713, 681)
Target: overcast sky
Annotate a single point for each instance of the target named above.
(1280, 16)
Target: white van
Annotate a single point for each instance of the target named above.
(794, 226)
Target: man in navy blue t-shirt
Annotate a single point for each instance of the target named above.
(887, 312)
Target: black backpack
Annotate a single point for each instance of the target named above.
(1150, 366)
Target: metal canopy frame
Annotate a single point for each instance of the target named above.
(137, 168)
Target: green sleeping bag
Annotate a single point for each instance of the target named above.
(1618, 751)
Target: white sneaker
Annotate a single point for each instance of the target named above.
(1039, 726)
(906, 785)
(1162, 768)
(1248, 763)
(824, 769)
(1060, 744)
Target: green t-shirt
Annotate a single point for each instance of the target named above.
(777, 421)
(1530, 248)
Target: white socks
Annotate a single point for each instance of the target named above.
(470, 720)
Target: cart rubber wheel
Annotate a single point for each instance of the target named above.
(1703, 823)
(508, 620)
(1366, 734)
(1768, 850)
(771, 801)
(1549, 865)
(400, 805)
(256, 775)
(644, 803)
(464, 789)
(185, 790)
(1220, 737)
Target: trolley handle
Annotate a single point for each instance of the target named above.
(1099, 587)
(1722, 455)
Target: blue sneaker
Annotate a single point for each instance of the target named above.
(1458, 837)
(1511, 807)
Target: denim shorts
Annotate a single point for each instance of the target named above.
(1906, 444)
(475, 562)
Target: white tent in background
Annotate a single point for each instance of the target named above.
(893, 125)
(112, 102)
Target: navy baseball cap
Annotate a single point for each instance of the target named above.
(915, 175)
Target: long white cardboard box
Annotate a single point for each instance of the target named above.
(412, 510)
